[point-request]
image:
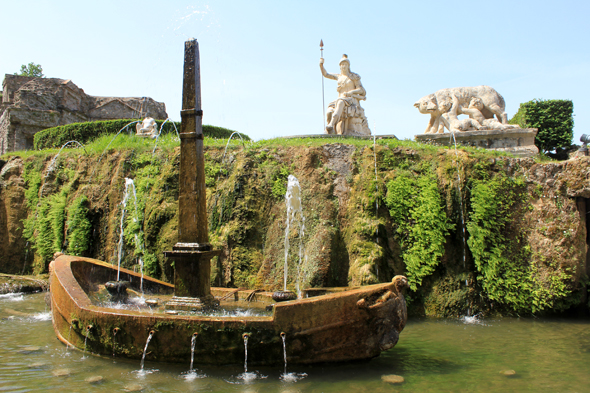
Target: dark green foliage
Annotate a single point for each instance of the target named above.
(416, 208)
(500, 251)
(501, 266)
(32, 178)
(78, 227)
(49, 228)
(279, 182)
(553, 118)
(56, 137)
(31, 69)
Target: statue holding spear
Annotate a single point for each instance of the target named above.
(345, 115)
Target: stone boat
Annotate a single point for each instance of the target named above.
(93, 311)
(327, 325)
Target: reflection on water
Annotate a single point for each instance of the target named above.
(521, 355)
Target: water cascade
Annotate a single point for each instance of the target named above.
(284, 338)
(86, 340)
(192, 374)
(222, 161)
(245, 337)
(376, 201)
(159, 132)
(139, 246)
(294, 209)
(128, 185)
(248, 376)
(376, 182)
(105, 149)
(460, 203)
(227, 144)
(26, 256)
(52, 163)
(145, 349)
(193, 342)
(289, 377)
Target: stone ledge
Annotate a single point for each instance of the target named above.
(336, 136)
(517, 141)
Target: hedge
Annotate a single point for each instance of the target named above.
(85, 132)
(553, 118)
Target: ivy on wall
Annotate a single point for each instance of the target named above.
(501, 252)
(416, 208)
(78, 227)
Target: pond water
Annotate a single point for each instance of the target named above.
(432, 356)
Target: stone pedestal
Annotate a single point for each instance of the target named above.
(192, 271)
(517, 141)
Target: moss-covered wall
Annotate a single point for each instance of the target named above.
(473, 231)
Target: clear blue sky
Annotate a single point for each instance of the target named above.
(259, 59)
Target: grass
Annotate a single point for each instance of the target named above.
(169, 141)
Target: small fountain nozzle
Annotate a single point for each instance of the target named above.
(245, 335)
(89, 327)
(152, 332)
(283, 334)
(116, 330)
(195, 334)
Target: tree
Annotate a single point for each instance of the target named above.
(553, 118)
(32, 69)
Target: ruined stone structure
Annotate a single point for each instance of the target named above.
(31, 104)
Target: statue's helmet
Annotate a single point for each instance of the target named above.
(344, 59)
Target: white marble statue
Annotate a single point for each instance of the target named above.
(148, 127)
(452, 122)
(481, 103)
(345, 115)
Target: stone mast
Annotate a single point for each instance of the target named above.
(192, 253)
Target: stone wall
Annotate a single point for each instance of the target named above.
(31, 104)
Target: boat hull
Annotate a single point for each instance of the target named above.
(340, 325)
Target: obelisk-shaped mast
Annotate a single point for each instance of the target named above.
(192, 220)
(192, 254)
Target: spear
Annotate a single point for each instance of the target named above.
(323, 103)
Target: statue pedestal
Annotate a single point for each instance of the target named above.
(517, 141)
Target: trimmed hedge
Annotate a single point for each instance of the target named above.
(553, 118)
(86, 132)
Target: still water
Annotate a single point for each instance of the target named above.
(432, 356)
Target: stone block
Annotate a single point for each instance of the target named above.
(517, 141)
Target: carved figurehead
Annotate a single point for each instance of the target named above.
(345, 115)
(148, 127)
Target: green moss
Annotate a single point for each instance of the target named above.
(78, 227)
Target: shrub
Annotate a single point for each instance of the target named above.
(553, 118)
(56, 137)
